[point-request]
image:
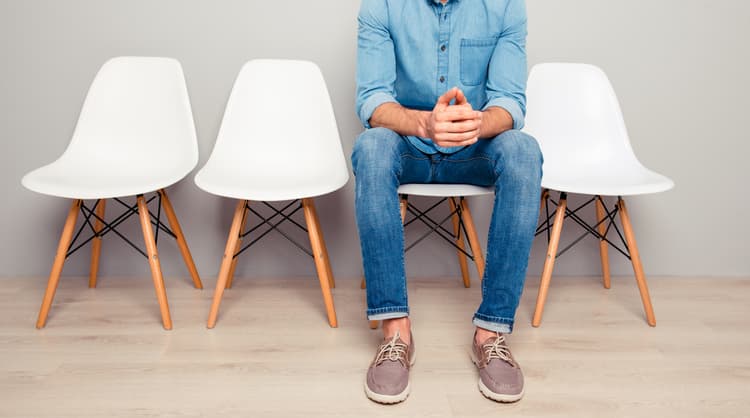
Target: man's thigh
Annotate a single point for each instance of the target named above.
(380, 151)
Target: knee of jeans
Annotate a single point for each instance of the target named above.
(376, 151)
(521, 155)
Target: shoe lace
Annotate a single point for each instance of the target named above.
(498, 349)
(393, 350)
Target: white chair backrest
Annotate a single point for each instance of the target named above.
(279, 125)
(137, 111)
(574, 114)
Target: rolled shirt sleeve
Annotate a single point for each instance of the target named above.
(506, 79)
(511, 106)
(368, 105)
(376, 60)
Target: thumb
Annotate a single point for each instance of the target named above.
(460, 97)
(445, 100)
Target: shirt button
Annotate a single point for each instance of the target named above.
(442, 79)
(442, 48)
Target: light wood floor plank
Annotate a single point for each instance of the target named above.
(104, 353)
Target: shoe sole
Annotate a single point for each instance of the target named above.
(391, 399)
(494, 396)
(388, 399)
(498, 397)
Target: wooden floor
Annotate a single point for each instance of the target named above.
(104, 353)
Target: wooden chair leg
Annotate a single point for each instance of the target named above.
(316, 241)
(174, 224)
(603, 245)
(153, 260)
(326, 259)
(226, 262)
(549, 262)
(542, 200)
(96, 244)
(471, 233)
(460, 243)
(57, 265)
(233, 267)
(635, 258)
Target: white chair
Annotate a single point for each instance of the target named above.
(459, 214)
(135, 135)
(278, 141)
(574, 114)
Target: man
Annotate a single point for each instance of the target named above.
(421, 130)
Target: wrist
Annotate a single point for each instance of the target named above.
(495, 120)
(421, 119)
(483, 125)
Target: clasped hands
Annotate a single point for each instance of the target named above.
(453, 125)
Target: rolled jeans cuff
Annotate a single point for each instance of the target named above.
(390, 312)
(493, 323)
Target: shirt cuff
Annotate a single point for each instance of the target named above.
(372, 103)
(511, 106)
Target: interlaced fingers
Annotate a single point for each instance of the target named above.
(393, 350)
(497, 349)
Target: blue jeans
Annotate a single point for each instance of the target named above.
(511, 162)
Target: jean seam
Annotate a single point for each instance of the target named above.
(501, 158)
(407, 155)
(403, 263)
(465, 160)
(401, 235)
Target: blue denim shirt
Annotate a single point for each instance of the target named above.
(412, 51)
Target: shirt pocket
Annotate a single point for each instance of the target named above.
(475, 59)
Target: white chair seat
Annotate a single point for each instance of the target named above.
(94, 181)
(603, 179)
(444, 190)
(247, 184)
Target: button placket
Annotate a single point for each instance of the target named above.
(444, 38)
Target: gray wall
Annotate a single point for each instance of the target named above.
(679, 67)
